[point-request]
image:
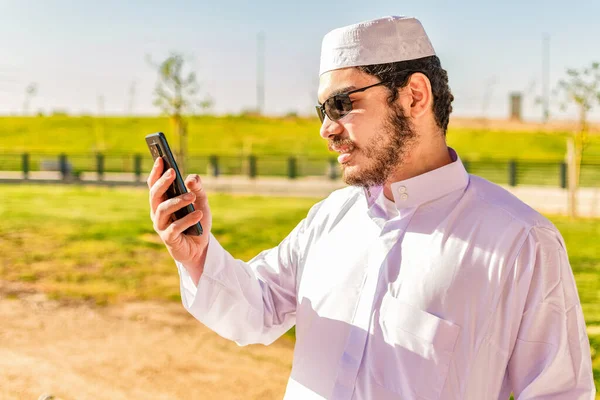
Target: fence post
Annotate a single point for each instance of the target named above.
(62, 161)
(137, 167)
(292, 168)
(25, 166)
(332, 169)
(100, 166)
(512, 173)
(214, 165)
(563, 175)
(252, 165)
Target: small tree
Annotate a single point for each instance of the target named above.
(582, 88)
(176, 94)
(30, 92)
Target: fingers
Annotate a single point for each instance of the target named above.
(165, 210)
(159, 188)
(174, 231)
(194, 185)
(157, 170)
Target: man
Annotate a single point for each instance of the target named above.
(418, 281)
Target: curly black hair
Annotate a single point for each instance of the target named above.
(397, 75)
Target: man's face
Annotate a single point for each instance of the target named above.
(374, 137)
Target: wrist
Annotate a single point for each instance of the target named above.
(195, 266)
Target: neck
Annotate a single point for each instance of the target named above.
(424, 157)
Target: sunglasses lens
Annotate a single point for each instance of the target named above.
(320, 113)
(338, 106)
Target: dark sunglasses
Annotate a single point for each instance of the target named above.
(339, 105)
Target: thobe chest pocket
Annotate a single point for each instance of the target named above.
(411, 350)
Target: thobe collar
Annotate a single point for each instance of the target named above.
(424, 188)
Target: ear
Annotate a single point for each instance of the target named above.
(420, 96)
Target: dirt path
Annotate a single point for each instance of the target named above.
(132, 351)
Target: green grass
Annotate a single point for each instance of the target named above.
(207, 134)
(262, 135)
(97, 244)
(272, 140)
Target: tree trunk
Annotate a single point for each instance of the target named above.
(182, 146)
(580, 142)
(178, 144)
(572, 177)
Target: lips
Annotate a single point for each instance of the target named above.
(343, 158)
(344, 147)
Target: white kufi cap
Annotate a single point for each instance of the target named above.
(379, 41)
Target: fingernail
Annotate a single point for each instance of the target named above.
(188, 196)
(156, 162)
(197, 178)
(171, 172)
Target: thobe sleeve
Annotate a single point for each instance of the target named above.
(248, 302)
(551, 355)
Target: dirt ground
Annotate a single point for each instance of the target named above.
(131, 351)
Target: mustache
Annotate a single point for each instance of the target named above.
(338, 142)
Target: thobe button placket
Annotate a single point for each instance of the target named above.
(341, 392)
(403, 192)
(351, 358)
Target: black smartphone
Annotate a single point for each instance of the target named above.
(157, 143)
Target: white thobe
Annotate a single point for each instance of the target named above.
(455, 290)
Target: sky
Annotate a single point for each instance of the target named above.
(85, 56)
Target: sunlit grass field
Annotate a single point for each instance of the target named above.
(486, 151)
(97, 244)
(232, 135)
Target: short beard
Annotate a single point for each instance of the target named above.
(385, 154)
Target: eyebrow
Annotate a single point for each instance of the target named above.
(339, 91)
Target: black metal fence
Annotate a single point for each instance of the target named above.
(506, 172)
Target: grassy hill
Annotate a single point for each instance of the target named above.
(232, 135)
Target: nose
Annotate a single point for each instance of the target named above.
(330, 128)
